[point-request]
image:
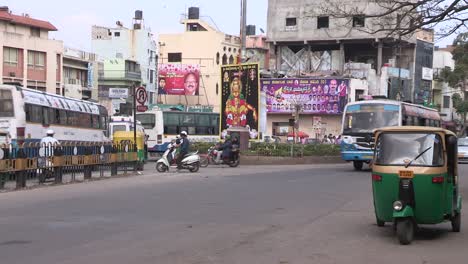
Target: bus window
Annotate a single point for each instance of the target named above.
(187, 119)
(33, 113)
(192, 131)
(46, 118)
(6, 104)
(148, 121)
(116, 128)
(62, 117)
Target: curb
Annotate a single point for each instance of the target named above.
(268, 160)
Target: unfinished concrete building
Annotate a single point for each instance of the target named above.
(308, 40)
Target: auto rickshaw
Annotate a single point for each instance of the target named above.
(121, 137)
(415, 179)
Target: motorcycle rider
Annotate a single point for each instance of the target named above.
(225, 150)
(184, 147)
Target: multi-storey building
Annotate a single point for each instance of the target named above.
(308, 39)
(136, 45)
(29, 58)
(203, 44)
(80, 74)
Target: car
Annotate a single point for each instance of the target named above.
(463, 150)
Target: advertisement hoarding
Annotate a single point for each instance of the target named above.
(313, 96)
(240, 97)
(179, 79)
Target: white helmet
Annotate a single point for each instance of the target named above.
(183, 133)
(50, 132)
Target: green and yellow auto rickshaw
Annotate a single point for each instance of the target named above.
(415, 178)
(126, 137)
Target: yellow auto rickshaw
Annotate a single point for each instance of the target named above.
(122, 138)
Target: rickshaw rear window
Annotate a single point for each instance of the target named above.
(400, 148)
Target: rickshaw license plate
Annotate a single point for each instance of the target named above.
(406, 174)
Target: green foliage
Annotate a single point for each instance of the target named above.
(460, 55)
(202, 147)
(460, 105)
(298, 150)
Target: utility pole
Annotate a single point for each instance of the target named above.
(243, 30)
(134, 114)
(398, 57)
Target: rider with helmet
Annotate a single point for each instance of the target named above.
(184, 147)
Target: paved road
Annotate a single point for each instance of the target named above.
(252, 214)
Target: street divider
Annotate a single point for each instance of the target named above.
(31, 164)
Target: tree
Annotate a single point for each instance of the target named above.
(404, 17)
(461, 106)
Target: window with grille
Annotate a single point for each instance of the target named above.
(10, 56)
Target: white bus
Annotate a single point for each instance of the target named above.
(163, 126)
(36, 112)
(362, 117)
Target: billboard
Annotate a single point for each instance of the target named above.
(240, 97)
(315, 96)
(179, 79)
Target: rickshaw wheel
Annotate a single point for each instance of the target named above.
(456, 222)
(380, 223)
(405, 231)
(358, 165)
(161, 167)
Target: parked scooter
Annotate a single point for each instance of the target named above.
(232, 161)
(190, 162)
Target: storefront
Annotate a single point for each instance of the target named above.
(316, 126)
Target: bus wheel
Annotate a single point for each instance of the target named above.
(358, 165)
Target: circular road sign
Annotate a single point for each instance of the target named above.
(141, 95)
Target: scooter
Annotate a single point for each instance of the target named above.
(232, 161)
(190, 162)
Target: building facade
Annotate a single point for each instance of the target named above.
(127, 46)
(442, 92)
(308, 42)
(80, 74)
(29, 58)
(203, 45)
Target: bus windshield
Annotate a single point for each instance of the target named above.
(366, 118)
(148, 121)
(421, 149)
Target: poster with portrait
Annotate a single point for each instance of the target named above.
(240, 97)
(179, 79)
(316, 96)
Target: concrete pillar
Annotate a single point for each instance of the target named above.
(342, 57)
(379, 58)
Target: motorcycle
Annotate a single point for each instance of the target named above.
(190, 162)
(210, 158)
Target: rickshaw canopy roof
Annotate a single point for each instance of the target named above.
(414, 129)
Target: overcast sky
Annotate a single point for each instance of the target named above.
(75, 18)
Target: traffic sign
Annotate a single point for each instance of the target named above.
(141, 95)
(142, 108)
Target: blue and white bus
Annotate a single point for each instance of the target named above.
(362, 117)
(35, 112)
